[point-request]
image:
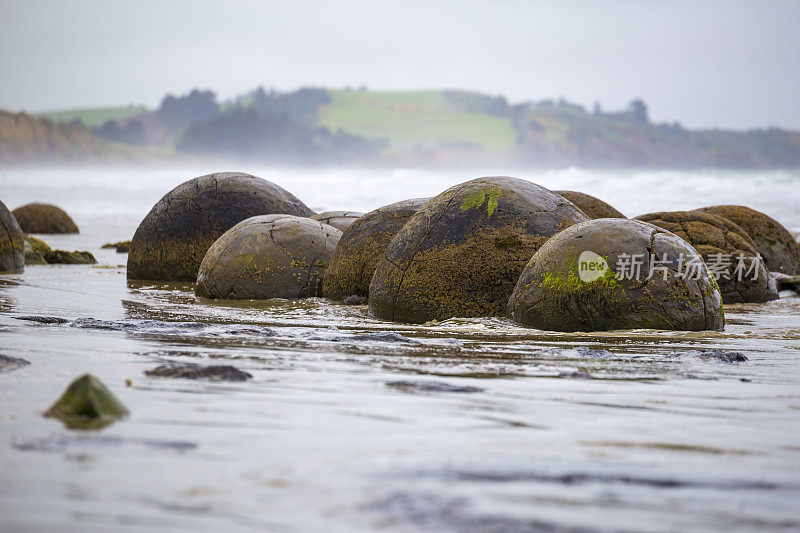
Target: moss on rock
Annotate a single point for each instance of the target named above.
(591, 206)
(44, 218)
(721, 243)
(559, 289)
(12, 243)
(362, 245)
(87, 404)
(776, 245)
(269, 256)
(122, 247)
(70, 258)
(461, 254)
(173, 238)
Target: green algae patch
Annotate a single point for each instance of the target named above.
(479, 197)
(87, 404)
(553, 294)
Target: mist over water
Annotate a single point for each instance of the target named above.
(127, 194)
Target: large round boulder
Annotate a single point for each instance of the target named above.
(591, 206)
(727, 250)
(461, 254)
(776, 245)
(617, 274)
(268, 256)
(173, 238)
(361, 247)
(12, 243)
(340, 220)
(44, 218)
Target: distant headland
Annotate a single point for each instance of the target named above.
(317, 126)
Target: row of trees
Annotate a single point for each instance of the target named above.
(261, 125)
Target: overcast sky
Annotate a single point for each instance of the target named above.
(720, 63)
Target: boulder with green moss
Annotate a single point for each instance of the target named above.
(12, 244)
(87, 404)
(612, 274)
(461, 254)
(727, 250)
(361, 247)
(44, 218)
(591, 206)
(70, 258)
(173, 238)
(777, 246)
(121, 247)
(38, 245)
(269, 256)
(31, 256)
(340, 220)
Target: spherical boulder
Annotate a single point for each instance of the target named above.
(776, 245)
(340, 220)
(591, 206)
(727, 250)
(461, 254)
(12, 243)
(173, 238)
(616, 274)
(44, 218)
(361, 247)
(268, 256)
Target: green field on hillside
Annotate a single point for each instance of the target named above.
(415, 117)
(94, 116)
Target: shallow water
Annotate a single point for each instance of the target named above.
(352, 423)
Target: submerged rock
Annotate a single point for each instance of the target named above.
(727, 250)
(44, 218)
(35, 251)
(7, 364)
(591, 206)
(340, 220)
(586, 279)
(193, 371)
(87, 404)
(31, 257)
(431, 386)
(12, 247)
(121, 247)
(70, 258)
(173, 238)
(725, 356)
(776, 245)
(362, 244)
(461, 254)
(269, 256)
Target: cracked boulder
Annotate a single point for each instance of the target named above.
(591, 206)
(269, 256)
(340, 220)
(12, 243)
(613, 274)
(44, 218)
(361, 247)
(776, 245)
(727, 250)
(173, 238)
(461, 254)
